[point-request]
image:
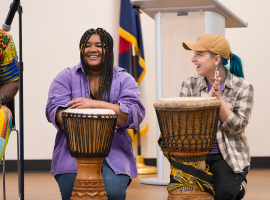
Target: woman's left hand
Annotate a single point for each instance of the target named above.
(82, 103)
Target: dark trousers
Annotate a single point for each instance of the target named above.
(115, 185)
(225, 182)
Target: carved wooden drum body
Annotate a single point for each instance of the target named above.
(89, 134)
(188, 128)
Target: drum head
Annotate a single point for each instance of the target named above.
(91, 111)
(187, 103)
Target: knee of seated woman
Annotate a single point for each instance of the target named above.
(116, 193)
(229, 192)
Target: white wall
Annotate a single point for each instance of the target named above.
(251, 44)
(51, 34)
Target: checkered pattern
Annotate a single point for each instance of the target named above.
(238, 94)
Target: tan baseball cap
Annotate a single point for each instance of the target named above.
(211, 42)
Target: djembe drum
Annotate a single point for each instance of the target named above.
(188, 128)
(89, 134)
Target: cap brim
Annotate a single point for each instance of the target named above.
(193, 46)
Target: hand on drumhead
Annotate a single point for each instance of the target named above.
(80, 103)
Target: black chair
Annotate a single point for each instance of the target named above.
(11, 106)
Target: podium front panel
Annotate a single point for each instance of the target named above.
(176, 61)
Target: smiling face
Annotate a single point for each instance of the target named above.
(204, 63)
(93, 52)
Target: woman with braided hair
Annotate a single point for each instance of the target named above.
(96, 83)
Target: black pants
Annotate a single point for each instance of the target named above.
(225, 182)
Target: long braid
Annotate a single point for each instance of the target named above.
(106, 68)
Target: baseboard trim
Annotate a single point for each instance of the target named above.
(45, 165)
(260, 163)
(29, 166)
(256, 162)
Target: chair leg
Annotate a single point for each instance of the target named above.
(18, 160)
(4, 176)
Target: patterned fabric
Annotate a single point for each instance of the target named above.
(185, 179)
(8, 73)
(5, 127)
(238, 94)
(8, 59)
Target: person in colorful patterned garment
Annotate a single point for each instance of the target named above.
(80, 87)
(229, 159)
(9, 84)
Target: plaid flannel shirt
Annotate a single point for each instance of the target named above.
(238, 94)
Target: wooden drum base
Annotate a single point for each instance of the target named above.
(89, 183)
(187, 193)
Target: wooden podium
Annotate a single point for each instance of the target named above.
(177, 21)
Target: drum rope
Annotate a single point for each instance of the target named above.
(81, 144)
(190, 141)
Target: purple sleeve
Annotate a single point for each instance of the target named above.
(129, 100)
(59, 95)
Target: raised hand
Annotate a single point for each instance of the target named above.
(215, 90)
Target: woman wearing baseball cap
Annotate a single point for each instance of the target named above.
(229, 160)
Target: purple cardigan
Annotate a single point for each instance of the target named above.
(70, 84)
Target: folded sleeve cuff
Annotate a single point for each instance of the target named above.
(53, 115)
(229, 123)
(125, 109)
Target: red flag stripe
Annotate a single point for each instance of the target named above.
(124, 45)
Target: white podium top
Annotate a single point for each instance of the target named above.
(151, 7)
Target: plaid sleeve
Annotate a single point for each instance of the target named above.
(239, 118)
(185, 90)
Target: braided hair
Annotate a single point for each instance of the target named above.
(106, 68)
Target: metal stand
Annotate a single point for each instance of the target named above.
(159, 179)
(4, 177)
(141, 167)
(21, 193)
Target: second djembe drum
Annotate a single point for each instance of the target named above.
(188, 128)
(89, 134)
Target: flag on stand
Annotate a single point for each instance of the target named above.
(130, 34)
